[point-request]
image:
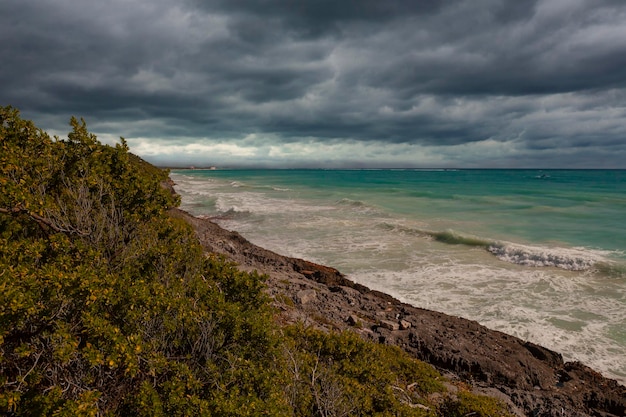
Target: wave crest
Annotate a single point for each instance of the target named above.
(231, 214)
(452, 238)
(569, 259)
(351, 203)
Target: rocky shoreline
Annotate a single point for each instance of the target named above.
(533, 380)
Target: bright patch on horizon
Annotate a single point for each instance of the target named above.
(191, 150)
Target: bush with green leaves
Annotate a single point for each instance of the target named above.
(342, 374)
(107, 304)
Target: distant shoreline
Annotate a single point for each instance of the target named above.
(251, 168)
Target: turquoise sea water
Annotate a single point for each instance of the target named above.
(537, 254)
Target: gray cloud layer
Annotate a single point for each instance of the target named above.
(452, 83)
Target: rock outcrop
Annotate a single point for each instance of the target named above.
(533, 380)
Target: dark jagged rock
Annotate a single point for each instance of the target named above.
(534, 380)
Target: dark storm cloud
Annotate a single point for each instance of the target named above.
(324, 17)
(535, 77)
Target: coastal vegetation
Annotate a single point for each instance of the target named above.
(109, 306)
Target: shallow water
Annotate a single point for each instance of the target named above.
(537, 254)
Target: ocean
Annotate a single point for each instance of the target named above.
(539, 254)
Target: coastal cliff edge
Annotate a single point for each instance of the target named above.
(533, 380)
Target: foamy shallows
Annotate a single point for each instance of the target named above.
(537, 255)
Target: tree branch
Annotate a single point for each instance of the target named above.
(43, 222)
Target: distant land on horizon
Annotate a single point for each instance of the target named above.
(216, 168)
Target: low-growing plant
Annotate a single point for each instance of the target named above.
(342, 374)
(465, 404)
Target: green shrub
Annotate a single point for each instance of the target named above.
(108, 305)
(468, 404)
(341, 374)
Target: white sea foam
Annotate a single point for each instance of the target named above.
(358, 205)
(260, 204)
(565, 258)
(533, 304)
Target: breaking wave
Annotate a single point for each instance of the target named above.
(564, 258)
(232, 213)
(571, 259)
(453, 238)
(352, 203)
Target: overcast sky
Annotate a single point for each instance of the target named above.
(343, 83)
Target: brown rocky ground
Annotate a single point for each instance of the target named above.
(533, 380)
